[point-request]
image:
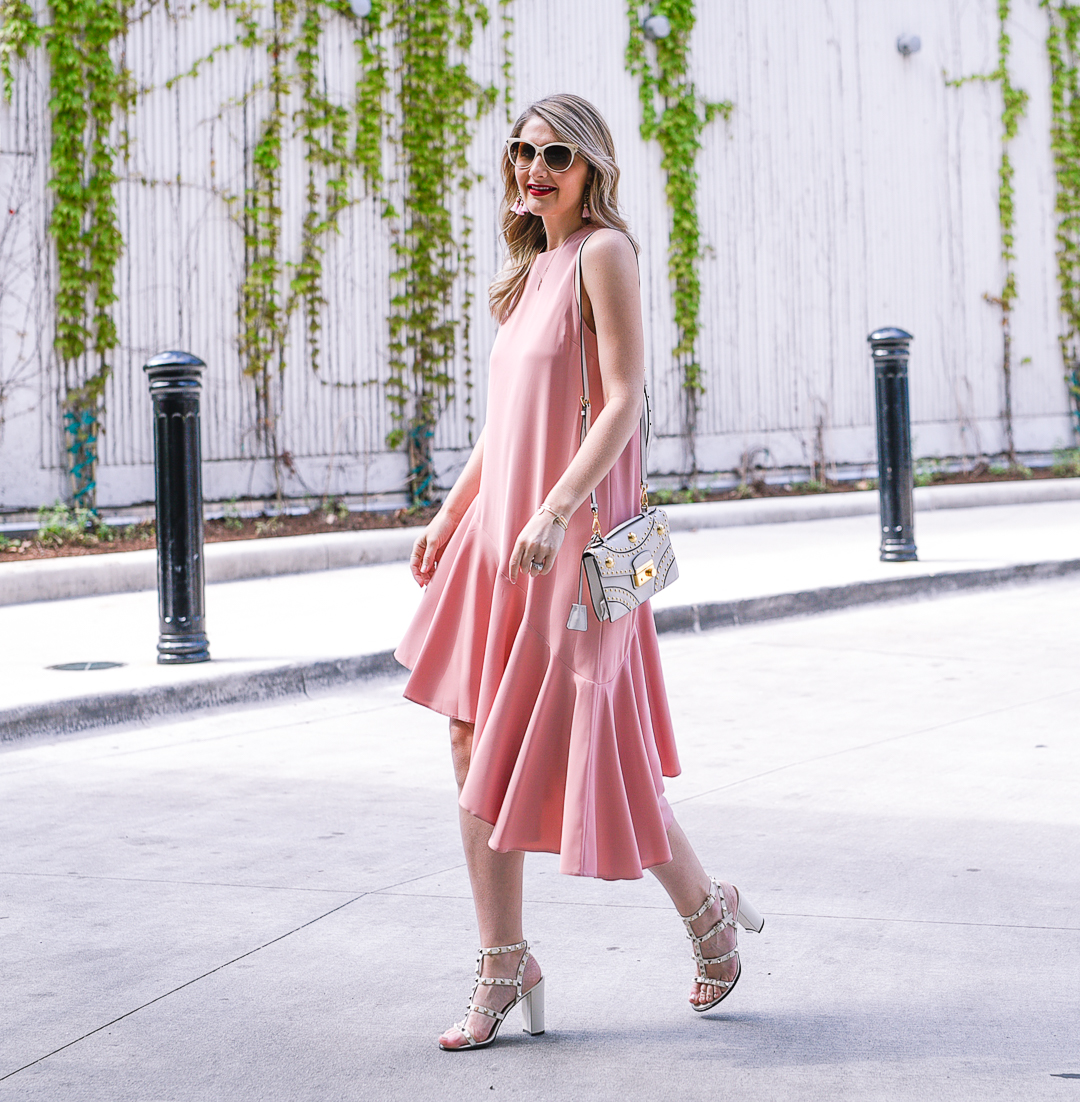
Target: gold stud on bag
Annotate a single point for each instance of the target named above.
(627, 566)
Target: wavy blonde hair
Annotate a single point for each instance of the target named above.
(575, 120)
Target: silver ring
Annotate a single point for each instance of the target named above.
(536, 565)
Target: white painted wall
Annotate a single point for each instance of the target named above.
(851, 189)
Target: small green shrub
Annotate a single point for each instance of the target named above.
(232, 516)
(1066, 463)
(268, 526)
(61, 524)
(927, 471)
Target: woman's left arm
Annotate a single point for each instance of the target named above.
(610, 280)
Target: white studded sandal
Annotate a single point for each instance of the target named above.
(747, 916)
(532, 1001)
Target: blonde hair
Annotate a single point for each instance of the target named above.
(575, 120)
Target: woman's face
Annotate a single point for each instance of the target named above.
(548, 193)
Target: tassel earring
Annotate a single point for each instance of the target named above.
(519, 207)
(585, 215)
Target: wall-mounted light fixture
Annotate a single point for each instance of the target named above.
(908, 44)
(656, 26)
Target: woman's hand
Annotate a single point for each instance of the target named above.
(538, 543)
(429, 546)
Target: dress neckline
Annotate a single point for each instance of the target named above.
(548, 252)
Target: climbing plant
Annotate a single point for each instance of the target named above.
(89, 92)
(438, 102)
(676, 124)
(430, 125)
(507, 58)
(1063, 50)
(1014, 102)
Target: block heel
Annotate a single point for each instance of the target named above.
(532, 1009)
(749, 917)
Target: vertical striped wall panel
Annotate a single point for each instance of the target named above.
(851, 188)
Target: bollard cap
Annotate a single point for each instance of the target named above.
(174, 369)
(173, 360)
(889, 335)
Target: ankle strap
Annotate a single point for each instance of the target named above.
(710, 899)
(496, 950)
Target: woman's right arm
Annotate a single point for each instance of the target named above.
(430, 544)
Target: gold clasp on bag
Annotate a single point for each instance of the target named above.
(645, 572)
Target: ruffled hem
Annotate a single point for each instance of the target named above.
(566, 765)
(561, 762)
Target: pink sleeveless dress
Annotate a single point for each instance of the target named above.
(572, 729)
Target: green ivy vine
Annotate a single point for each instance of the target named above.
(1063, 50)
(507, 58)
(677, 127)
(437, 105)
(336, 140)
(438, 102)
(89, 92)
(1014, 102)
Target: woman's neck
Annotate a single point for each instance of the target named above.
(557, 231)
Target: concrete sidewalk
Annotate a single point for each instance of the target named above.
(270, 905)
(134, 571)
(278, 636)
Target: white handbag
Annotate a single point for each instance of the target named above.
(632, 562)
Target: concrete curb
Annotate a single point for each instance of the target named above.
(133, 571)
(95, 712)
(73, 715)
(752, 610)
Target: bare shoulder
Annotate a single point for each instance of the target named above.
(609, 252)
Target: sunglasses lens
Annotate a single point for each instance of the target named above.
(558, 157)
(521, 153)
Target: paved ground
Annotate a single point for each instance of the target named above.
(230, 907)
(274, 636)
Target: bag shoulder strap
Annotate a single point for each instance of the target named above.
(644, 430)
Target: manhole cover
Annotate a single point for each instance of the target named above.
(87, 666)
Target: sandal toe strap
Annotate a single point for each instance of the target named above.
(464, 1030)
(710, 981)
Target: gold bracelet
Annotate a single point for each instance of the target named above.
(560, 520)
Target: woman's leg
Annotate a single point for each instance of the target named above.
(496, 888)
(688, 884)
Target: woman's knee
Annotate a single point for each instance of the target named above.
(461, 740)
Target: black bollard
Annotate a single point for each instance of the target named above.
(889, 353)
(175, 385)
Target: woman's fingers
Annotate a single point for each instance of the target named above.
(416, 559)
(430, 556)
(517, 560)
(537, 544)
(424, 559)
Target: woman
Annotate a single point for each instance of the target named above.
(560, 739)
